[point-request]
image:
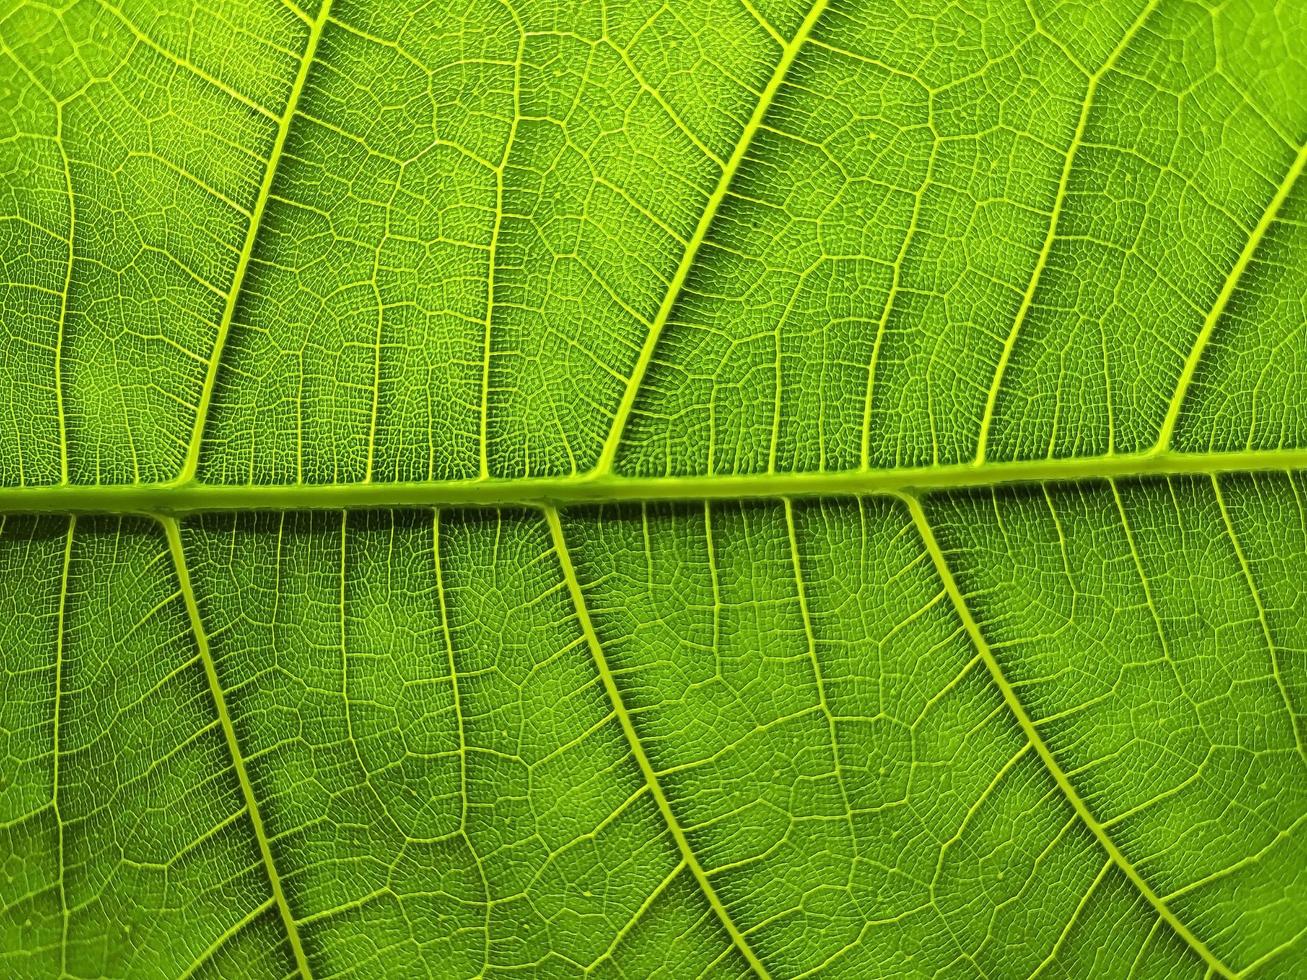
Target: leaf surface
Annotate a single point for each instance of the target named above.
(653, 489)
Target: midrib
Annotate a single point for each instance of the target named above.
(195, 496)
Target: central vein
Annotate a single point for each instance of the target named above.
(598, 488)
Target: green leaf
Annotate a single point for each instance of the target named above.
(653, 489)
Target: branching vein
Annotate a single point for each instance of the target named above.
(1059, 201)
(173, 533)
(688, 257)
(1167, 432)
(1032, 735)
(637, 748)
(191, 461)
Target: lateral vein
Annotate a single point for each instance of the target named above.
(492, 258)
(65, 913)
(692, 247)
(1059, 200)
(173, 533)
(1167, 431)
(191, 461)
(63, 295)
(1032, 735)
(637, 748)
(1262, 619)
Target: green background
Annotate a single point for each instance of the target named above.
(674, 488)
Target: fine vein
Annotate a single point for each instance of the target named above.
(637, 748)
(692, 247)
(173, 533)
(192, 459)
(1255, 594)
(1032, 735)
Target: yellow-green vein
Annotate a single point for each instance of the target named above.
(1261, 617)
(492, 258)
(692, 247)
(182, 61)
(221, 939)
(1059, 200)
(191, 461)
(1032, 735)
(63, 296)
(638, 916)
(1072, 919)
(453, 669)
(1167, 431)
(810, 641)
(64, 913)
(895, 286)
(173, 533)
(637, 748)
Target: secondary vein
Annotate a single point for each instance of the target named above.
(1255, 594)
(1059, 200)
(1167, 431)
(1032, 735)
(191, 461)
(692, 247)
(492, 259)
(63, 295)
(64, 911)
(173, 533)
(637, 748)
